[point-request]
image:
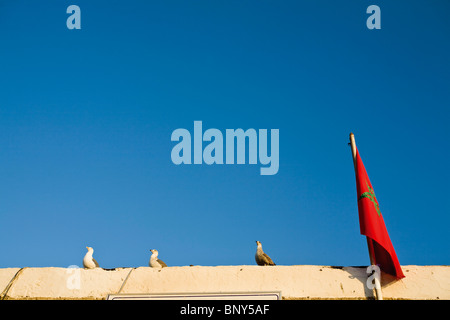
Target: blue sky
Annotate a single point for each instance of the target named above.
(86, 118)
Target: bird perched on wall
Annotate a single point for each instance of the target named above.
(261, 258)
(89, 262)
(155, 262)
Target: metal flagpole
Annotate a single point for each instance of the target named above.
(379, 295)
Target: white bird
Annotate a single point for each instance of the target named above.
(261, 258)
(88, 261)
(155, 262)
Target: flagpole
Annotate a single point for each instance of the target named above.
(379, 295)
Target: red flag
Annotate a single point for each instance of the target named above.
(372, 224)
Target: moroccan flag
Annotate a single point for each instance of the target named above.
(372, 224)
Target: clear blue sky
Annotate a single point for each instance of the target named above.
(86, 118)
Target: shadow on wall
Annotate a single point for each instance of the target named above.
(360, 273)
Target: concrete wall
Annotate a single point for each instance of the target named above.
(294, 282)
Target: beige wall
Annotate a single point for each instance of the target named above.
(294, 282)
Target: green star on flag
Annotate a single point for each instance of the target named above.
(371, 195)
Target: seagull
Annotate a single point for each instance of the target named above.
(88, 261)
(155, 262)
(261, 258)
